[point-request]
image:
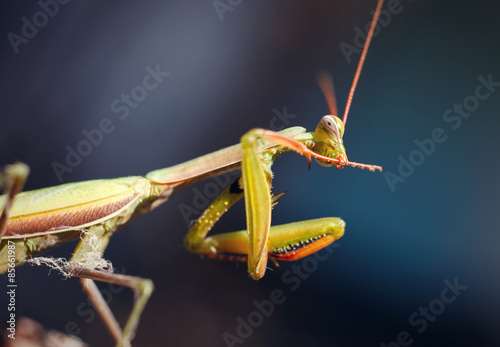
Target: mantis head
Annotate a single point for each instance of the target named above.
(328, 134)
(328, 138)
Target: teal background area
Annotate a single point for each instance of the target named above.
(401, 246)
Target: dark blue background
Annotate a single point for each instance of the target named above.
(225, 78)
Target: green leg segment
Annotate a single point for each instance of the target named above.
(287, 242)
(200, 228)
(257, 204)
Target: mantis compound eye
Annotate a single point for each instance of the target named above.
(333, 125)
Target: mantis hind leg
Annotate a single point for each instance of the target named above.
(142, 287)
(88, 264)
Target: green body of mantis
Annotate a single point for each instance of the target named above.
(93, 210)
(32, 222)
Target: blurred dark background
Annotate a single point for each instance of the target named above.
(227, 74)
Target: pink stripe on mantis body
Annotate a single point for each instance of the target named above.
(62, 218)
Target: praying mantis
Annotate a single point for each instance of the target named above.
(35, 221)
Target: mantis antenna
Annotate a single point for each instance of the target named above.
(325, 82)
(362, 59)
